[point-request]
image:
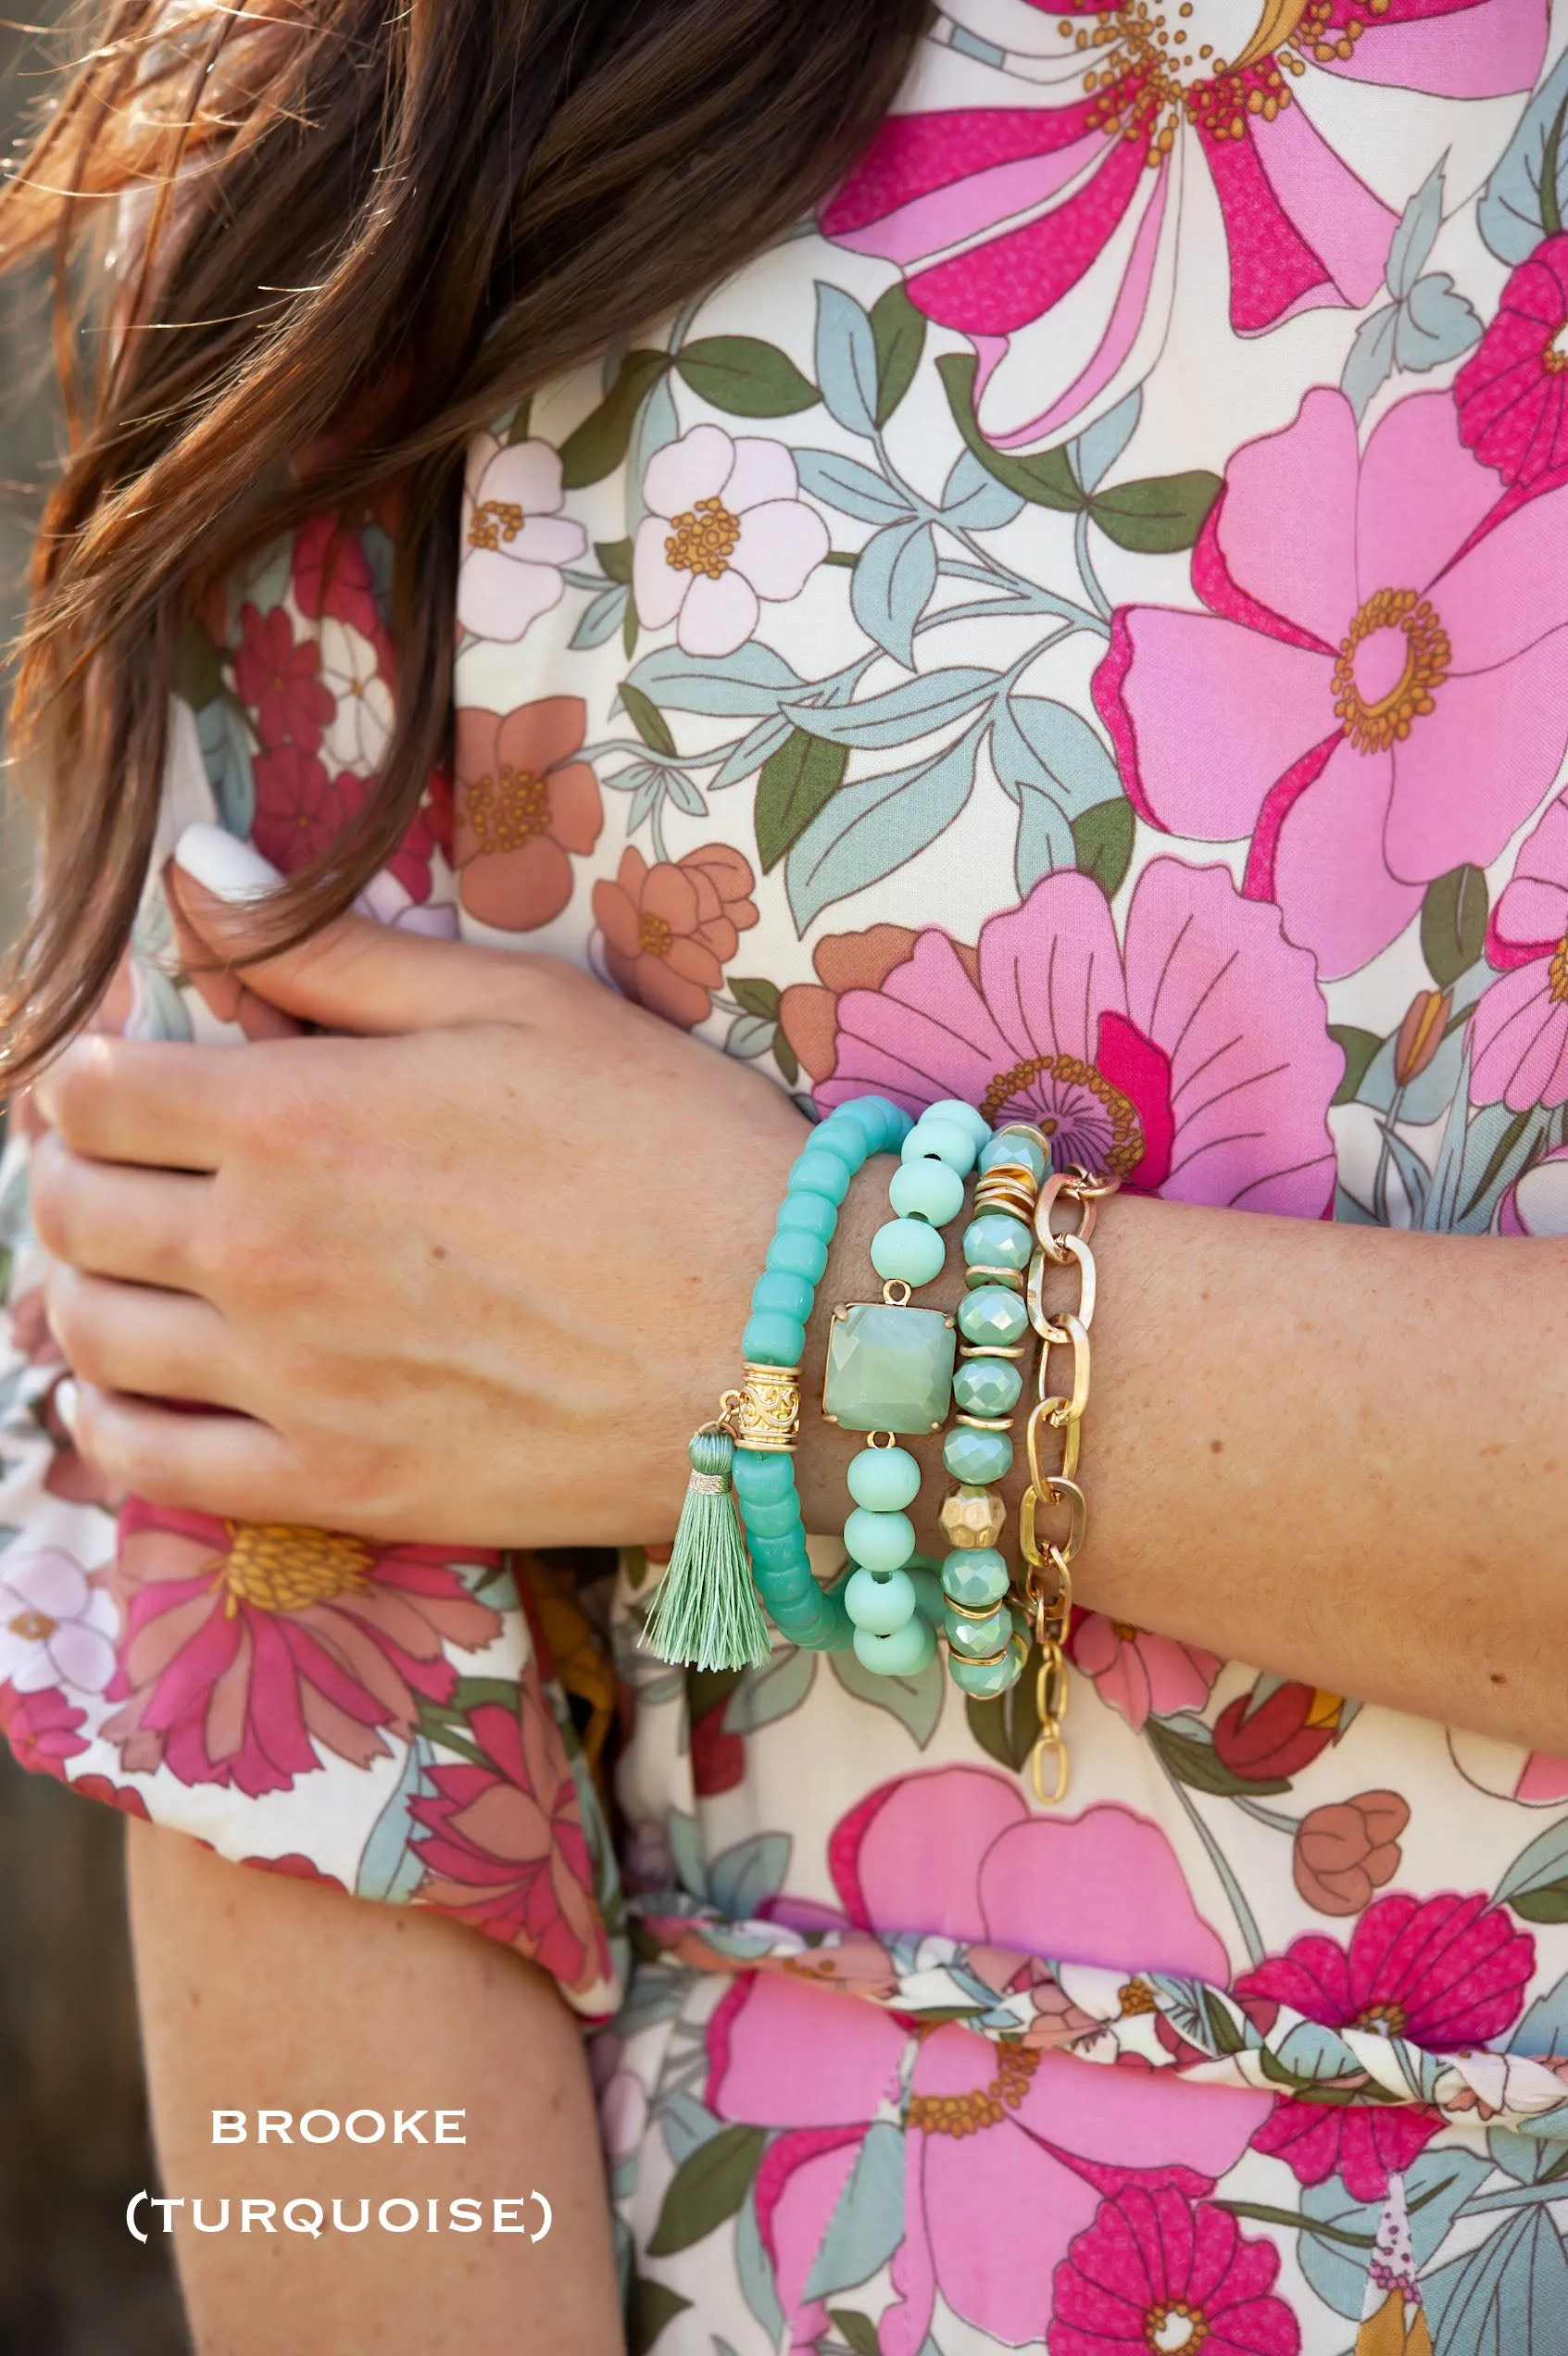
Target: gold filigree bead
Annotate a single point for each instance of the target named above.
(972, 1517)
(767, 1411)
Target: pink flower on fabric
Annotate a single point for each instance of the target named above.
(1194, 1061)
(56, 1628)
(515, 538)
(503, 1848)
(332, 580)
(1379, 690)
(1512, 389)
(994, 2133)
(278, 677)
(1443, 1971)
(43, 1728)
(1138, 1673)
(252, 1649)
(726, 527)
(1154, 2272)
(1520, 1028)
(1073, 192)
(301, 809)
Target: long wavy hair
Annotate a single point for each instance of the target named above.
(351, 234)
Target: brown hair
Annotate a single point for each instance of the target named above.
(363, 228)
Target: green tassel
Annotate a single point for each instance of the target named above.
(706, 1614)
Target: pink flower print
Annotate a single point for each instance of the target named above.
(330, 576)
(278, 677)
(994, 2131)
(1534, 1778)
(1138, 1673)
(1152, 2271)
(1194, 1063)
(252, 1649)
(43, 1728)
(726, 526)
(1511, 390)
(515, 538)
(1001, 216)
(1442, 1972)
(1378, 692)
(301, 809)
(503, 1848)
(1520, 1028)
(56, 1628)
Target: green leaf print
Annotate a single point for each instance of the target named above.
(899, 333)
(799, 780)
(877, 824)
(1046, 481)
(706, 2190)
(647, 718)
(1527, 197)
(856, 2331)
(1338, 2229)
(1536, 1884)
(1507, 2298)
(615, 558)
(597, 447)
(1006, 1727)
(1453, 924)
(1159, 515)
(1357, 1048)
(915, 1701)
(650, 2306)
(1103, 838)
(744, 377)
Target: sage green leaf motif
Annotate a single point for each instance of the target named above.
(744, 685)
(1357, 1048)
(1453, 924)
(1510, 2294)
(744, 377)
(1536, 1884)
(799, 780)
(598, 445)
(847, 365)
(876, 824)
(1006, 1726)
(892, 586)
(1052, 762)
(1333, 2257)
(915, 1701)
(1103, 839)
(898, 335)
(1191, 1759)
(650, 2306)
(708, 2188)
(1527, 197)
(1159, 515)
(647, 718)
(1046, 481)
(856, 2331)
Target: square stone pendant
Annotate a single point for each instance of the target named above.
(890, 1370)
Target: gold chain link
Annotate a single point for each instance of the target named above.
(1048, 1577)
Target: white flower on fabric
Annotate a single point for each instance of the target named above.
(56, 1628)
(726, 527)
(360, 730)
(515, 538)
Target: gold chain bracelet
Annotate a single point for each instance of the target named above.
(1048, 1575)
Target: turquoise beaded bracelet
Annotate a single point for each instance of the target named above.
(707, 1613)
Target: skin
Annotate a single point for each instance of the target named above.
(259, 1991)
(513, 1225)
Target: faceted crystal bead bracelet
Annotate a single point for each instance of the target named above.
(986, 1651)
(890, 1372)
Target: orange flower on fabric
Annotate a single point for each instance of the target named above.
(808, 1011)
(525, 804)
(1346, 1851)
(671, 930)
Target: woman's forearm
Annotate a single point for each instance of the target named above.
(1331, 1451)
(259, 1992)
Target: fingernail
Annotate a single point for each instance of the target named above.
(231, 869)
(65, 1403)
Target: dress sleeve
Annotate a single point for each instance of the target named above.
(394, 1719)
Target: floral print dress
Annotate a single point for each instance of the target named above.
(1084, 626)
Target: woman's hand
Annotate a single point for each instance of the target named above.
(476, 1281)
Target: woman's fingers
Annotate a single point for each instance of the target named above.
(112, 1219)
(132, 1337)
(142, 1100)
(227, 1465)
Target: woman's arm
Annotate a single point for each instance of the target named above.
(262, 1993)
(525, 1242)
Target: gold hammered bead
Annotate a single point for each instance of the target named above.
(972, 1517)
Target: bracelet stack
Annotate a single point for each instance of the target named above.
(894, 1370)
